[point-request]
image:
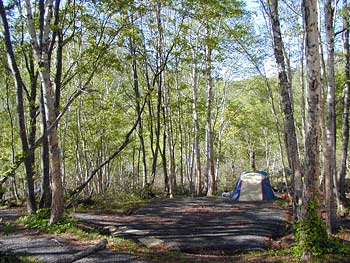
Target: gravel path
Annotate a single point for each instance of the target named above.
(204, 225)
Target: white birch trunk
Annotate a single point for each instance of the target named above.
(313, 96)
(330, 147)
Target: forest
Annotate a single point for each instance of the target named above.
(128, 99)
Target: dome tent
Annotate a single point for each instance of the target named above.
(253, 186)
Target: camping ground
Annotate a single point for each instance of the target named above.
(165, 230)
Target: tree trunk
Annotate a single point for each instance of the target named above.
(220, 133)
(287, 105)
(41, 55)
(180, 133)
(345, 105)
(302, 84)
(27, 153)
(312, 139)
(138, 107)
(46, 198)
(12, 126)
(171, 144)
(312, 170)
(330, 147)
(196, 152)
(209, 129)
(252, 158)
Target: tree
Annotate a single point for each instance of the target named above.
(27, 152)
(330, 157)
(309, 209)
(208, 123)
(345, 104)
(196, 145)
(287, 103)
(41, 51)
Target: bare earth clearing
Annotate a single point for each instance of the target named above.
(202, 225)
(206, 226)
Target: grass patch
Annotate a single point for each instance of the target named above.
(8, 228)
(30, 260)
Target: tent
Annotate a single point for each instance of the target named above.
(253, 186)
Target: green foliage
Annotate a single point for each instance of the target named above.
(30, 260)
(8, 228)
(311, 235)
(339, 247)
(12, 168)
(40, 221)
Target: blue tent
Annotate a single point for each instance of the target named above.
(253, 186)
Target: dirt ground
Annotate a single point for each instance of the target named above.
(204, 230)
(202, 225)
(50, 248)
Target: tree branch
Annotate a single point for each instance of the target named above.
(84, 253)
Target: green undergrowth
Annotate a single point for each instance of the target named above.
(69, 227)
(8, 228)
(311, 236)
(40, 221)
(10, 258)
(334, 249)
(30, 260)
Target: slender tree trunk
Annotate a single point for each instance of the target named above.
(252, 158)
(46, 198)
(302, 84)
(12, 126)
(171, 144)
(345, 105)
(159, 83)
(154, 145)
(27, 153)
(330, 147)
(161, 108)
(180, 128)
(138, 107)
(164, 159)
(32, 113)
(41, 55)
(197, 157)
(220, 133)
(287, 105)
(312, 170)
(312, 139)
(209, 129)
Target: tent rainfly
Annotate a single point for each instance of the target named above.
(253, 186)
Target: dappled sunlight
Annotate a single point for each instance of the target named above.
(198, 224)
